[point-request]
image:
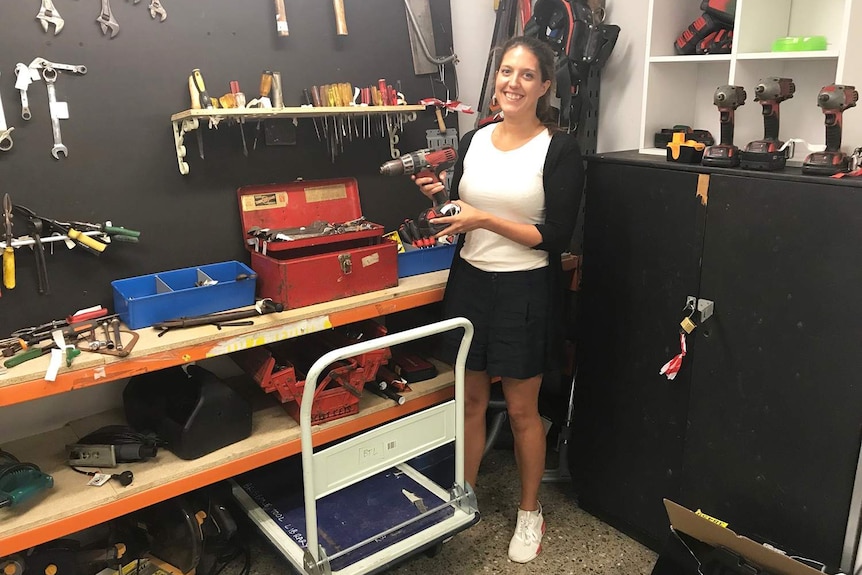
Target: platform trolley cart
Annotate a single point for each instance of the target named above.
(365, 504)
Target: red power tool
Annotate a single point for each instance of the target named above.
(725, 154)
(427, 163)
(766, 154)
(833, 100)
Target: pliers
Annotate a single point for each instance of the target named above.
(48, 15)
(90, 244)
(35, 229)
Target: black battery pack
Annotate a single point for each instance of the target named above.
(412, 367)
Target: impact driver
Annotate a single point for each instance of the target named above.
(427, 163)
(833, 100)
(766, 154)
(725, 154)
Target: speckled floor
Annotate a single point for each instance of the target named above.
(574, 543)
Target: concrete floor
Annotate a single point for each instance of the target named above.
(574, 543)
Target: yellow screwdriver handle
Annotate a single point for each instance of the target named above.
(9, 267)
(86, 240)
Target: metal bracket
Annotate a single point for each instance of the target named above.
(181, 128)
(704, 308)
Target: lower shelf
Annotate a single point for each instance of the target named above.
(71, 505)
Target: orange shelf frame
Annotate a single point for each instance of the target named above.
(111, 369)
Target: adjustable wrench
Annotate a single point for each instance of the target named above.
(48, 15)
(156, 9)
(5, 132)
(50, 76)
(42, 63)
(106, 19)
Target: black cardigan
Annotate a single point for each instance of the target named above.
(563, 180)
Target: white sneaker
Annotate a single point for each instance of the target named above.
(526, 543)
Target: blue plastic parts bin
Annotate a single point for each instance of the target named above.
(144, 300)
(420, 261)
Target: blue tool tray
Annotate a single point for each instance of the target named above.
(144, 300)
(419, 261)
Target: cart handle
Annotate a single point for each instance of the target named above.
(308, 393)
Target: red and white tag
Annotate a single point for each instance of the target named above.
(452, 105)
(671, 368)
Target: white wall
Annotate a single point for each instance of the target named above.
(472, 28)
(622, 76)
(473, 25)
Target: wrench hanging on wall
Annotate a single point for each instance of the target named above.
(5, 131)
(106, 19)
(59, 111)
(48, 15)
(156, 9)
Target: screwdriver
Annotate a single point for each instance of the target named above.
(240, 103)
(9, 251)
(265, 88)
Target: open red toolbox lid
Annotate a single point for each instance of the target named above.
(303, 203)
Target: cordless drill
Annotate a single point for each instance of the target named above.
(725, 154)
(766, 154)
(427, 163)
(833, 100)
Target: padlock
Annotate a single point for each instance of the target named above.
(687, 325)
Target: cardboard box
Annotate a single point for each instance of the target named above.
(703, 546)
(313, 266)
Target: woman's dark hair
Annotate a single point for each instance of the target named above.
(546, 58)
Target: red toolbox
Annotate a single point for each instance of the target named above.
(280, 368)
(309, 242)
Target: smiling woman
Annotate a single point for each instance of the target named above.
(518, 183)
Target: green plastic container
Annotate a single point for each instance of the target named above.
(799, 44)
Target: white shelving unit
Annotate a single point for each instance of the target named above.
(679, 89)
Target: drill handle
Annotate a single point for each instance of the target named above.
(770, 120)
(833, 122)
(440, 197)
(727, 123)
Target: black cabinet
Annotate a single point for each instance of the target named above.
(762, 426)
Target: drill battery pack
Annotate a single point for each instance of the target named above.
(665, 136)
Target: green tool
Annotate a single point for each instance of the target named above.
(20, 481)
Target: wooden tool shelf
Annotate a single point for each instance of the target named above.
(188, 120)
(178, 347)
(72, 506)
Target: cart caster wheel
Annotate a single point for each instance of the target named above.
(432, 552)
